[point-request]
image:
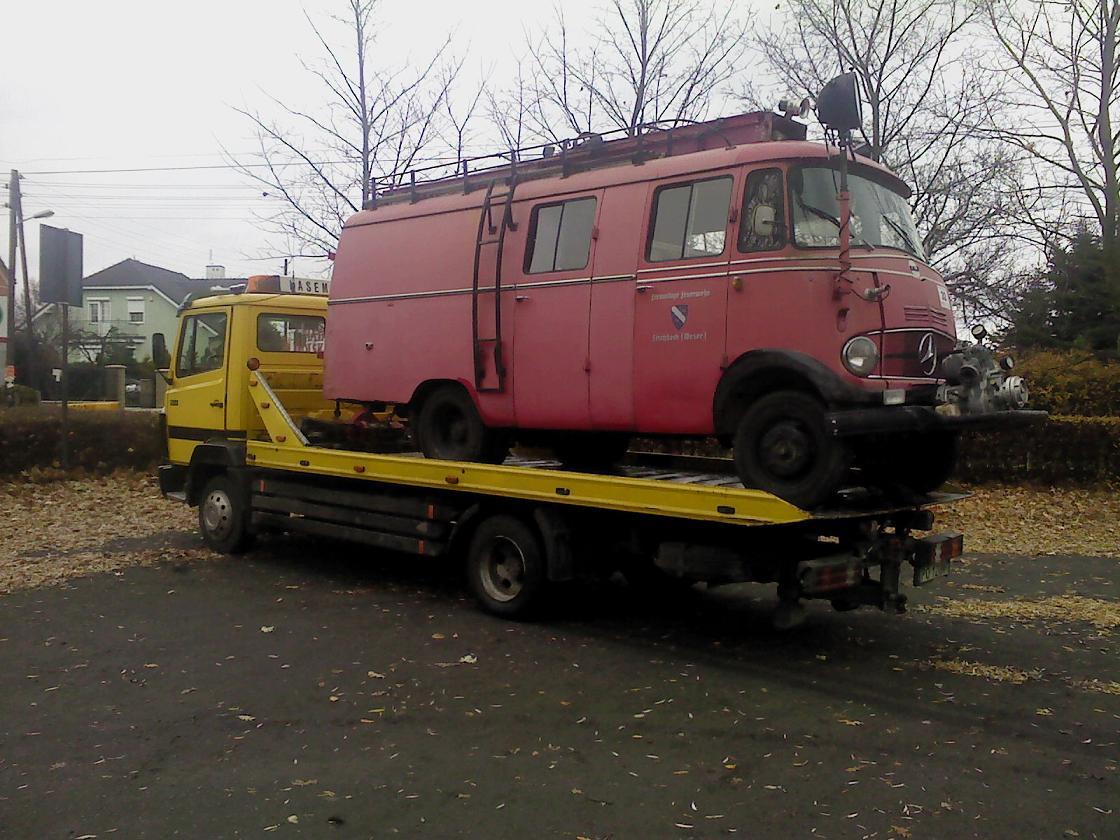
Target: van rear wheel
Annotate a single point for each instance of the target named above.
(449, 428)
(782, 446)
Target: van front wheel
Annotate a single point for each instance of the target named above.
(782, 446)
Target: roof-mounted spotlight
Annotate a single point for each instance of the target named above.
(838, 104)
(979, 332)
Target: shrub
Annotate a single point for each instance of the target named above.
(18, 395)
(1063, 449)
(1072, 383)
(100, 441)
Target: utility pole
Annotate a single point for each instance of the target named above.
(13, 185)
(16, 202)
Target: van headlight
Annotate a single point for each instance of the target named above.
(860, 355)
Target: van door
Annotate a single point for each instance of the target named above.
(552, 299)
(621, 238)
(680, 304)
(196, 399)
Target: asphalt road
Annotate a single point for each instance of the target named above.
(299, 692)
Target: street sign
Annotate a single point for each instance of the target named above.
(60, 266)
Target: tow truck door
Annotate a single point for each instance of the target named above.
(195, 405)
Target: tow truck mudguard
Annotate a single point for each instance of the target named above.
(921, 418)
(207, 459)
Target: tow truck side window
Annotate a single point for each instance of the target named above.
(202, 344)
(280, 333)
(689, 220)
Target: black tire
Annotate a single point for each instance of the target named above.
(594, 451)
(506, 567)
(783, 447)
(223, 519)
(449, 428)
(918, 463)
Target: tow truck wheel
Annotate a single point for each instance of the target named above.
(449, 428)
(222, 517)
(783, 447)
(506, 567)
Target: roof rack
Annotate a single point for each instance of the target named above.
(588, 150)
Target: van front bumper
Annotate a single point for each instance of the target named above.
(922, 418)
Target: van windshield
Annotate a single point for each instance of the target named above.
(880, 216)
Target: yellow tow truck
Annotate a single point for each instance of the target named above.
(245, 417)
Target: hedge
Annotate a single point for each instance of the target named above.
(100, 441)
(1062, 450)
(1072, 383)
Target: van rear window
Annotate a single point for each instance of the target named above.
(560, 236)
(690, 220)
(280, 333)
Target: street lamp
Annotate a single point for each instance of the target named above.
(42, 214)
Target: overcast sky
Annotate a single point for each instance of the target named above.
(121, 84)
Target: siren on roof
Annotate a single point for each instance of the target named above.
(790, 108)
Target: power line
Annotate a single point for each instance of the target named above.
(226, 166)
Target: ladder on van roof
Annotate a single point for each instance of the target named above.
(489, 363)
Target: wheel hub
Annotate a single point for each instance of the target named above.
(503, 571)
(217, 514)
(786, 450)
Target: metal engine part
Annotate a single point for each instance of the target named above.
(977, 383)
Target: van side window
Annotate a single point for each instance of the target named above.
(202, 343)
(762, 226)
(277, 333)
(560, 236)
(690, 220)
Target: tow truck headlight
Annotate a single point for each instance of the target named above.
(860, 355)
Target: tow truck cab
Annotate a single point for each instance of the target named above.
(220, 340)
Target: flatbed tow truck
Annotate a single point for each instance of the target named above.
(243, 420)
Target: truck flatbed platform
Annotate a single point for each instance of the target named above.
(670, 486)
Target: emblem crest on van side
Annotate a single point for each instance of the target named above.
(927, 354)
(679, 314)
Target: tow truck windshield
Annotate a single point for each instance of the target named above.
(880, 216)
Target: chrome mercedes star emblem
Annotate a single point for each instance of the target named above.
(927, 354)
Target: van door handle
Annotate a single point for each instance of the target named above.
(217, 404)
(521, 298)
(643, 289)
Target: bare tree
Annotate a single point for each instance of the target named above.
(924, 102)
(1062, 62)
(376, 123)
(650, 61)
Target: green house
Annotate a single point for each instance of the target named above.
(126, 304)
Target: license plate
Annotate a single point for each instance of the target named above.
(934, 554)
(935, 569)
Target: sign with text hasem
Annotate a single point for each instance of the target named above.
(60, 266)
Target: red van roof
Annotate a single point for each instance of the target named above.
(620, 172)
